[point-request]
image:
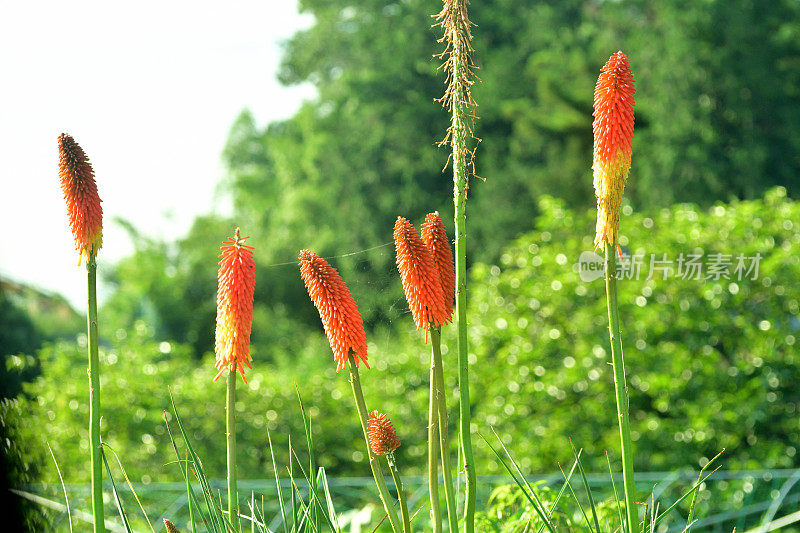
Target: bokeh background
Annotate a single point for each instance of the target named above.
(314, 126)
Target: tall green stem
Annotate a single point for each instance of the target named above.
(444, 439)
(401, 495)
(94, 397)
(230, 436)
(374, 464)
(460, 199)
(621, 387)
(433, 448)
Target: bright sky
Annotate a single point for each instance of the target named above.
(149, 89)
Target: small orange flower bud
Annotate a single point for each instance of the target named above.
(83, 203)
(337, 309)
(419, 276)
(237, 282)
(435, 238)
(383, 438)
(170, 527)
(613, 137)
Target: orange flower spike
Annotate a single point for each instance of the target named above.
(237, 282)
(383, 438)
(435, 238)
(337, 309)
(83, 203)
(419, 276)
(613, 137)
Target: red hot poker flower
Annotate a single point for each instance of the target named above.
(419, 276)
(383, 438)
(83, 203)
(237, 282)
(613, 137)
(435, 238)
(337, 309)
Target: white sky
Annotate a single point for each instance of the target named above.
(149, 90)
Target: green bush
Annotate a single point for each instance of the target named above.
(711, 364)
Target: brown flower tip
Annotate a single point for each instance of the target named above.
(170, 527)
(419, 276)
(80, 192)
(237, 282)
(613, 138)
(383, 438)
(337, 309)
(435, 238)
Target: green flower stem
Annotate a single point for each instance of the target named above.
(433, 448)
(94, 397)
(621, 387)
(401, 495)
(374, 464)
(230, 436)
(459, 131)
(444, 441)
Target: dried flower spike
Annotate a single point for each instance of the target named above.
(419, 276)
(237, 282)
(83, 203)
(613, 136)
(383, 438)
(435, 238)
(337, 309)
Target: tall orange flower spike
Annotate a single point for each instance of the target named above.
(237, 282)
(420, 277)
(83, 203)
(337, 309)
(383, 438)
(435, 238)
(613, 136)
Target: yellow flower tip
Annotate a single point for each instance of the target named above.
(613, 137)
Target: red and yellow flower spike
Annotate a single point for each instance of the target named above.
(237, 282)
(383, 438)
(337, 309)
(435, 238)
(613, 137)
(83, 203)
(420, 277)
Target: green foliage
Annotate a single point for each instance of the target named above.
(711, 363)
(509, 511)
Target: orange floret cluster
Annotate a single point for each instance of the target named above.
(435, 238)
(337, 309)
(237, 281)
(613, 137)
(383, 438)
(83, 203)
(420, 277)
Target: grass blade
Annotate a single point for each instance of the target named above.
(523, 485)
(117, 499)
(586, 486)
(278, 485)
(616, 495)
(130, 485)
(63, 487)
(690, 520)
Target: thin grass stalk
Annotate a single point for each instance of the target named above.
(94, 397)
(621, 388)
(456, 25)
(374, 464)
(444, 440)
(433, 448)
(401, 496)
(230, 437)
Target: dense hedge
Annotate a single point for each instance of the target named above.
(712, 364)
